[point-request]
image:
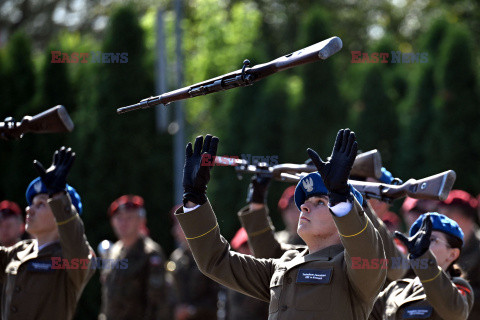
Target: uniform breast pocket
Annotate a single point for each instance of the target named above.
(313, 289)
(275, 291)
(274, 298)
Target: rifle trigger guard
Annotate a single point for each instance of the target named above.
(246, 63)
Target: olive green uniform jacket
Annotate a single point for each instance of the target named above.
(263, 240)
(299, 285)
(138, 289)
(32, 289)
(431, 295)
(243, 307)
(191, 287)
(470, 262)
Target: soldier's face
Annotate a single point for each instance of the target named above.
(316, 221)
(11, 229)
(127, 223)
(444, 254)
(40, 219)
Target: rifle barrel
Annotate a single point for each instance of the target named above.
(245, 76)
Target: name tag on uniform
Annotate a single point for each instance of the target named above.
(39, 266)
(314, 276)
(417, 312)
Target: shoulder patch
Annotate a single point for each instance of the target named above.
(463, 290)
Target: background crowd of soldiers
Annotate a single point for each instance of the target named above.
(150, 286)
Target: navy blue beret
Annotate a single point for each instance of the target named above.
(37, 186)
(440, 223)
(312, 185)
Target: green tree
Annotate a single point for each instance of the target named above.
(19, 74)
(376, 120)
(17, 96)
(375, 113)
(320, 112)
(122, 153)
(453, 139)
(418, 108)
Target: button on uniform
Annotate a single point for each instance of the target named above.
(13, 309)
(17, 289)
(284, 308)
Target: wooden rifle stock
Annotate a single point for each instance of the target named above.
(53, 120)
(245, 76)
(367, 165)
(436, 187)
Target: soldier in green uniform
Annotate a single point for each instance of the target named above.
(266, 244)
(461, 207)
(263, 240)
(11, 223)
(135, 287)
(317, 282)
(194, 294)
(438, 291)
(240, 306)
(34, 286)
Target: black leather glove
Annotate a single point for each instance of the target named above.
(419, 243)
(258, 188)
(196, 175)
(55, 177)
(336, 170)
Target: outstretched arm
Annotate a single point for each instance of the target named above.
(211, 251)
(70, 227)
(359, 237)
(451, 299)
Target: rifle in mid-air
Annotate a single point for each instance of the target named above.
(366, 165)
(436, 187)
(53, 120)
(245, 76)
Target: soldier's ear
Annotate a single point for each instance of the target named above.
(454, 254)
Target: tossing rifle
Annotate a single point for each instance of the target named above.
(366, 165)
(53, 120)
(244, 77)
(436, 187)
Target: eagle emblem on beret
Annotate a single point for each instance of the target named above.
(308, 184)
(37, 187)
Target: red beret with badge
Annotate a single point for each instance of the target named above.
(9, 209)
(127, 201)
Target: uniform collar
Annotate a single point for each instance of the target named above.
(32, 252)
(324, 254)
(414, 291)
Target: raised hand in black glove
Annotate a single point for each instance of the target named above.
(196, 173)
(419, 243)
(55, 177)
(336, 170)
(258, 188)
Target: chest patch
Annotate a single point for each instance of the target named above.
(39, 266)
(417, 312)
(317, 276)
